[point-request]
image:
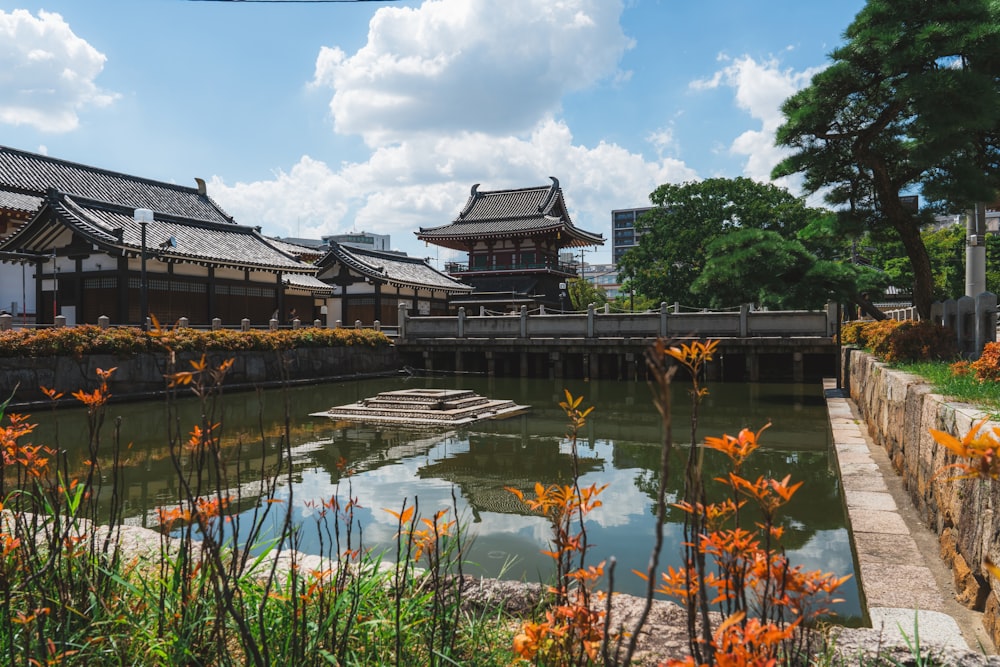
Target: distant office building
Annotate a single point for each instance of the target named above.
(363, 240)
(624, 234)
(603, 276)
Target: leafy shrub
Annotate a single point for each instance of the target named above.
(89, 339)
(987, 367)
(897, 341)
(851, 333)
(911, 340)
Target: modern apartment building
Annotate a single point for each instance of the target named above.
(624, 234)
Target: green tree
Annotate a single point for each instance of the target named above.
(910, 103)
(762, 267)
(582, 293)
(671, 252)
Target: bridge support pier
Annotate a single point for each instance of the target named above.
(458, 361)
(523, 363)
(753, 366)
(428, 360)
(712, 371)
(798, 368)
(491, 364)
(555, 366)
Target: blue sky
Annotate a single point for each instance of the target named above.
(320, 118)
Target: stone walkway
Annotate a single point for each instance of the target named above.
(901, 577)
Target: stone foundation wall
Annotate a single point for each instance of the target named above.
(141, 375)
(899, 410)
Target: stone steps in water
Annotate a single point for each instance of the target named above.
(424, 407)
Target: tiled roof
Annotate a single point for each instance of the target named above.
(302, 252)
(391, 268)
(506, 213)
(306, 281)
(16, 201)
(31, 174)
(114, 228)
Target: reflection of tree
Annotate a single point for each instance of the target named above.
(493, 462)
(817, 505)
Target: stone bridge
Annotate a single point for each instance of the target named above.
(754, 345)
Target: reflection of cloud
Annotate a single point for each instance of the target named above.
(826, 550)
(621, 501)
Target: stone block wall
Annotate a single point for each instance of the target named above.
(900, 410)
(141, 375)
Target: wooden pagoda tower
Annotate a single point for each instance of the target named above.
(513, 239)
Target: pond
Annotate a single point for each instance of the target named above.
(619, 446)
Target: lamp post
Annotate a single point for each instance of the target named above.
(562, 295)
(143, 216)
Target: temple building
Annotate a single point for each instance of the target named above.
(87, 242)
(370, 285)
(513, 239)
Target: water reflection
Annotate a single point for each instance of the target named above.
(618, 447)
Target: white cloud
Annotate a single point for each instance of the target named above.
(423, 182)
(47, 73)
(470, 65)
(452, 93)
(760, 88)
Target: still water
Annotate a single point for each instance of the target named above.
(618, 447)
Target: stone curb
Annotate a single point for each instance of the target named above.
(901, 594)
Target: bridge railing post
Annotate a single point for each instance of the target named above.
(524, 321)
(986, 321)
(663, 319)
(831, 318)
(403, 314)
(590, 320)
(744, 320)
(461, 322)
(966, 325)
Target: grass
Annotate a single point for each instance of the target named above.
(964, 388)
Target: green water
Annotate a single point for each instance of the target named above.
(619, 446)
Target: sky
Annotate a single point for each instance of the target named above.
(313, 118)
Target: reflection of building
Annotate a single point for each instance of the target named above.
(78, 227)
(370, 285)
(513, 239)
(625, 235)
(494, 463)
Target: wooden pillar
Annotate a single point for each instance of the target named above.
(78, 290)
(121, 278)
(210, 297)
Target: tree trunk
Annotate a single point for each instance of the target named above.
(923, 279)
(867, 307)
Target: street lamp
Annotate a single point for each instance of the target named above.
(562, 295)
(143, 216)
